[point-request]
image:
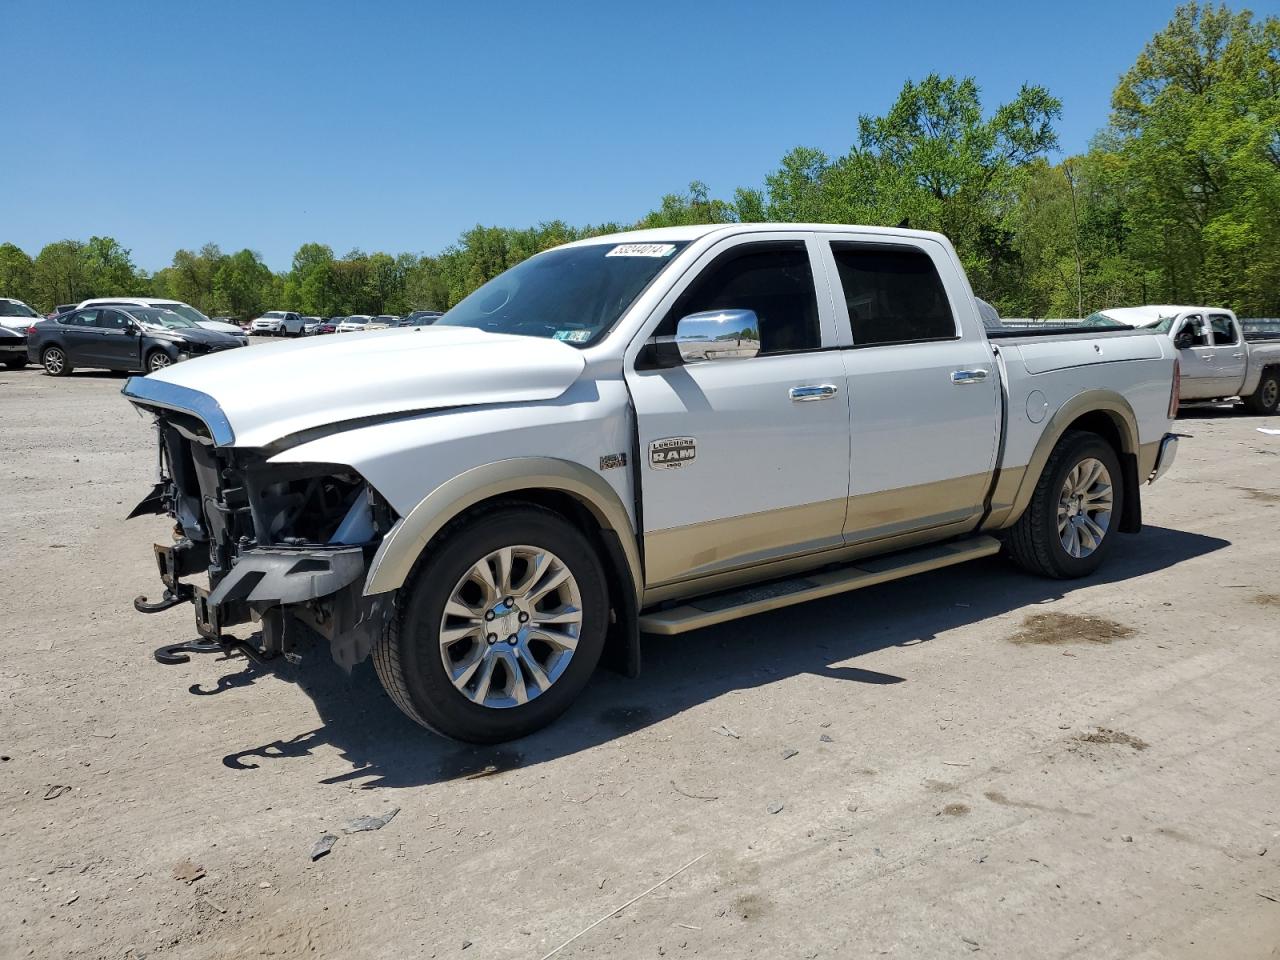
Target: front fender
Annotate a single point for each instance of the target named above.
(402, 546)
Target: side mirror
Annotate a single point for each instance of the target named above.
(718, 335)
(1184, 340)
(132, 330)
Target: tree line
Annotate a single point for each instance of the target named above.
(1177, 199)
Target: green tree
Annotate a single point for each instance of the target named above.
(17, 274)
(243, 286)
(1194, 133)
(59, 274)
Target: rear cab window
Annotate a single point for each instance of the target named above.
(893, 294)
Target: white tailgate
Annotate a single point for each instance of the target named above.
(1059, 354)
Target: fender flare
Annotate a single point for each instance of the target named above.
(405, 542)
(1107, 402)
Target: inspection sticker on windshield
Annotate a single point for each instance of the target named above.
(572, 336)
(642, 250)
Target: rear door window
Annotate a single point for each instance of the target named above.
(81, 318)
(1223, 330)
(893, 294)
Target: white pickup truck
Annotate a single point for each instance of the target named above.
(1218, 361)
(646, 432)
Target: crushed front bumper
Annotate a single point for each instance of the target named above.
(321, 588)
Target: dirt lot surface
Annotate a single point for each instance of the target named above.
(974, 761)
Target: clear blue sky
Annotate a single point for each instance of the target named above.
(393, 126)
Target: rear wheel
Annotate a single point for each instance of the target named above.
(157, 360)
(55, 362)
(499, 629)
(1266, 399)
(1069, 527)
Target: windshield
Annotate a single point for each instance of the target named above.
(1100, 319)
(574, 294)
(155, 317)
(11, 308)
(186, 312)
(273, 315)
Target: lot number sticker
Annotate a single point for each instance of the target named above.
(642, 250)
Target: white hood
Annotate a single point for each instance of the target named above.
(270, 392)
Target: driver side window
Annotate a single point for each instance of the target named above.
(774, 279)
(1192, 333)
(113, 320)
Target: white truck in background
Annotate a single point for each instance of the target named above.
(1218, 360)
(646, 432)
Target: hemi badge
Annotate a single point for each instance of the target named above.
(611, 460)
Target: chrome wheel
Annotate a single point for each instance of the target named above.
(158, 361)
(511, 626)
(54, 361)
(1084, 507)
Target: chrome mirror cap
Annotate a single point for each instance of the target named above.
(718, 335)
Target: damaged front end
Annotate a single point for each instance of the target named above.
(287, 545)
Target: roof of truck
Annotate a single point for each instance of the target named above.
(698, 231)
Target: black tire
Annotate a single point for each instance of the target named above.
(158, 360)
(1034, 543)
(17, 363)
(1265, 401)
(55, 361)
(407, 657)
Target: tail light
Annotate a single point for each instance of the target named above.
(1177, 389)
(31, 330)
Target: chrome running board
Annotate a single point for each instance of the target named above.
(746, 601)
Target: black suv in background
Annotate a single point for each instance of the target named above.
(120, 338)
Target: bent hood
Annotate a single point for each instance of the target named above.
(253, 397)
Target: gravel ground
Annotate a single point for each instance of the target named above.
(971, 761)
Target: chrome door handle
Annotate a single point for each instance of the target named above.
(819, 391)
(968, 376)
(1238, 356)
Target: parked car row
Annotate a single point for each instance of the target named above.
(285, 323)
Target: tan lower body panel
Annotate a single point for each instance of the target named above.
(888, 513)
(701, 549)
(707, 611)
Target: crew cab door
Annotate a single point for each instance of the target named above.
(1229, 357)
(1195, 357)
(924, 390)
(744, 460)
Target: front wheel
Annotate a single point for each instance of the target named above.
(499, 629)
(1069, 527)
(1266, 399)
(55, 362)
(158, 360)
